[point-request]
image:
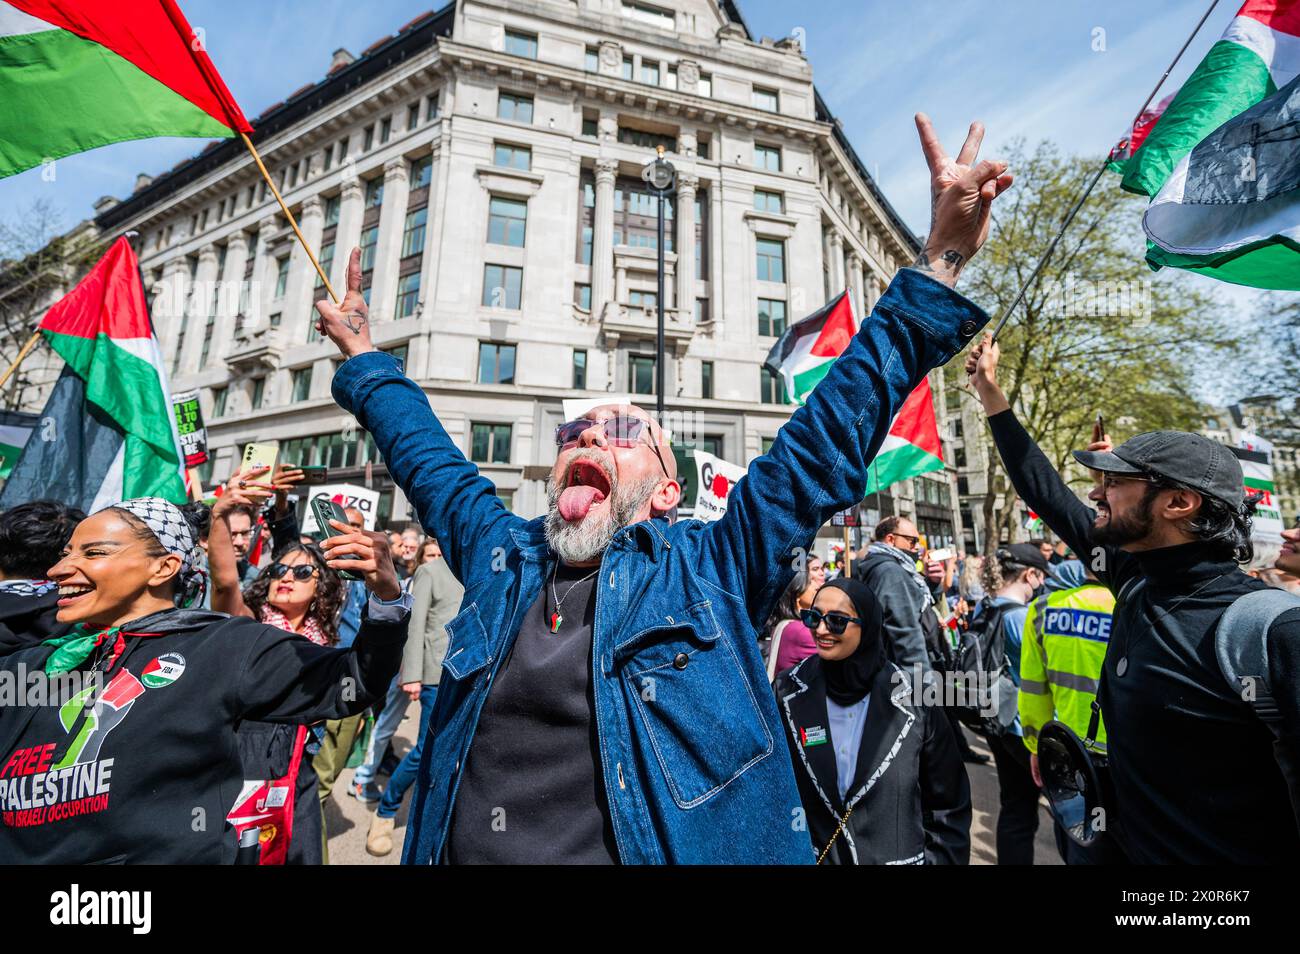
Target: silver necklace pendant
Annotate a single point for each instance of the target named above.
(1121, 667)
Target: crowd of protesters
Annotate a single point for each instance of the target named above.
(606, 683)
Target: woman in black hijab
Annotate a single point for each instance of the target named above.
(878, 770)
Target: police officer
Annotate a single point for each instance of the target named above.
(1067, 630)
(1196, 774)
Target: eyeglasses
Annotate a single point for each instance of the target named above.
(621, 430)
(835, 622)
(301, 571)
(904, 536)
(1112, 480)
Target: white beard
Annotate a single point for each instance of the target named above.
(585, 540)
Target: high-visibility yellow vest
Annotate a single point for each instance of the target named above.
(1064, 642)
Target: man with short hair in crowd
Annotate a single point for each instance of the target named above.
(1199, 776)
(905, 595)
(32, 538)
(603, 698)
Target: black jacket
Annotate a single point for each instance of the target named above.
(27, 614)
(151, 776)
(904, 607)
(910, 794)
(1198, 778)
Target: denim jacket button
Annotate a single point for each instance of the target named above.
(967, 329)
(680, 661)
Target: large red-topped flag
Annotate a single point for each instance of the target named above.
(108, 431)
(808, 348)
(78, 74)
(912, 445)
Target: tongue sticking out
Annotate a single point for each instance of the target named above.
(577, 500)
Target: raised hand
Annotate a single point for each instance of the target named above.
(982, 375)
(366, 553)
(961, 196)
(286, 478)
(244, 490)
(348, 324)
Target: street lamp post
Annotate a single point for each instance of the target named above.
(661, 176)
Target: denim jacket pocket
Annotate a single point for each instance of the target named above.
(467, 644)
(699, 711)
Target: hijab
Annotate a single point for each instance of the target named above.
(849, 680)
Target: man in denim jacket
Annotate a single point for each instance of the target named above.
(604, 698)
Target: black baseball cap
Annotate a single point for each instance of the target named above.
(1026, 554)
(1194, 461)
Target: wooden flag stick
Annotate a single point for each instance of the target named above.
(288, 215)
(26, 350)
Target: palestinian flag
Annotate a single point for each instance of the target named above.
(1231, 209)
(1258, 54)
(77, 74)
(15, 428)
(804, 354)
(912, 445)
(113, 431)
(1132, 141)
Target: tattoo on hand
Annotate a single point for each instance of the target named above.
(354, 321)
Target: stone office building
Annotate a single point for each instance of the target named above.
(486, 158)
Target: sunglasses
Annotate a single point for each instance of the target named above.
(301, 571)
(835, 622)
(621, 430)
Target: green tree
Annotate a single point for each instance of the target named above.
(1097, 332)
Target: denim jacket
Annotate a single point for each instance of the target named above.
(692, 756)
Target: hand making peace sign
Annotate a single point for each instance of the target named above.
(348, 324)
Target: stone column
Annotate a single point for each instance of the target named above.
(348, 233)
(602, 238)
(232, 279)
(263, 274)
(203, 303)
(835, 249)
(298, 310)
(685, 246)
(392, 217)
(176, 285)
(855, 284)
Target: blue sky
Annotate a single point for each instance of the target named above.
(1025, 67)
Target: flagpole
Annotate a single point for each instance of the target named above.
(23, 353)
(288, 215)
(1069, 218)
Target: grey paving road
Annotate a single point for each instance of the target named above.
(347, 819)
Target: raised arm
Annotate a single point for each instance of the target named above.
(818, 464)
(452, 500)
(247, 488)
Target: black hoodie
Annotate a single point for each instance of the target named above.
(150, 777)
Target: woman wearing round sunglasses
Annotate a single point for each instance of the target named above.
(878, 771)
(138, 759)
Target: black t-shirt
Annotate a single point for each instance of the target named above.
(532, 791)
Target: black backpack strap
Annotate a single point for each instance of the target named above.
(1241, 646)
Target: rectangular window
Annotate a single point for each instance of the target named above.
(421, 173)
(706, 379)
(274, 320)
(332, 206)
(514, 107)
(652, 16)
(766, 444)
(767, 158)
(385, 129)
(496, 363)
(326, 260)
(301, 384)
(579, 369)
(643, 299)
(207, 339)
(219, 401)
(431, 111)
(771, 317)
(771, 388)
(521, 44)
(368, 138)
(641, 374)
(375, 192)
(408, 294)
(591, 60)
(701, 310)
(626, 71)
(413, 232)
(259, 392)
(765, 201)
(369, 240)
(771, 260)
(646, 140)
(399, 352)
(582, 296)
(489, 443)
(705, 85)
(507, 221)
(412, 115)
(342, 150)
(670, 78)
(281, 275)
(650, 72)
(766, 99)
(512, 157)
(590, 127)
(327, 159)
(502, 286)
(585, 257)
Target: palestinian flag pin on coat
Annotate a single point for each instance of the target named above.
(814, 735)
(163, 671)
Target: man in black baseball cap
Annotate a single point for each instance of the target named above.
(1197, 778)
